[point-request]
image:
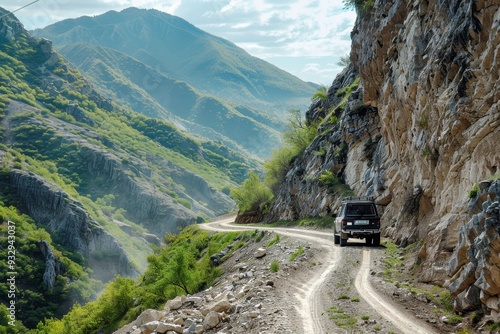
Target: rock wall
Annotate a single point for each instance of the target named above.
(474, 267)
(432, 70)
(70, 224)
(421, 129)
(132, 185)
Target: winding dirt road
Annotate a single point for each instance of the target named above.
(308, 295)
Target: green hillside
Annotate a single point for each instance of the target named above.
(98, 183)
(147, 91)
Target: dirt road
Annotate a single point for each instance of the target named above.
(312, 295)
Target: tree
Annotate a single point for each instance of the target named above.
(362, 7)
(179, 274)
(299, 134)
(344, 60)
(252, 195)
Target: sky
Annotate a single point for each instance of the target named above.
(303, 37)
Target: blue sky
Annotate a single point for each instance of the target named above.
(303, 37)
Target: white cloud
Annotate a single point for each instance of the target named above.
(282, 32)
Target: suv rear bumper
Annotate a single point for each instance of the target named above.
(364, 232)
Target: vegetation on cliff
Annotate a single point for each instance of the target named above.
(34, 299)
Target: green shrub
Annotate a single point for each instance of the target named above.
(296, 138)
(446, 301)
(184, 202)
(320, 94)
(362, 7)
(334, 185)
(344, 60)
(493, 326)
(455, 319)
(277, 166)
(342, 319)
(474, 191)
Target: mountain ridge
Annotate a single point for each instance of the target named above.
(218, 76)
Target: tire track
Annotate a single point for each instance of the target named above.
(403, 321)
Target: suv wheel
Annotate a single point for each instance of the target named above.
(376, 239)
(343, 242)
(368, 240)
(336, 239)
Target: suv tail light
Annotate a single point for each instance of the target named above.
(344, 222)
(377, 223)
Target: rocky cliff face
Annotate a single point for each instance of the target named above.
(421, 129)
(71, 225)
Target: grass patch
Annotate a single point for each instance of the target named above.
(274, 266)
(343, 296)
(275, 240)
(298, 252)
(455, 319)
(395, 259)
(342, 319)
(494, 326)
(318, 222)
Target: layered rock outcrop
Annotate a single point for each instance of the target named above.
(474, 267)
(428, 129)
(71, 225)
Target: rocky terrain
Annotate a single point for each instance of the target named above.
(251, 298)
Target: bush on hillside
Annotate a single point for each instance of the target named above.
(252, 195)
(297, 138)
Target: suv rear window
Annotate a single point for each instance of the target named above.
(360, 209)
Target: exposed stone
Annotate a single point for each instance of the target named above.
(174, 304)
(166, 327)
(52, 265)
(149, 327)
(261, 252)
(211, 320)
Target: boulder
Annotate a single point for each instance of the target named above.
(211, 320)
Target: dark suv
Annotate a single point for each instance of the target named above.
(358, 218)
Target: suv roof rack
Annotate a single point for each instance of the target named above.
(358, 198)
